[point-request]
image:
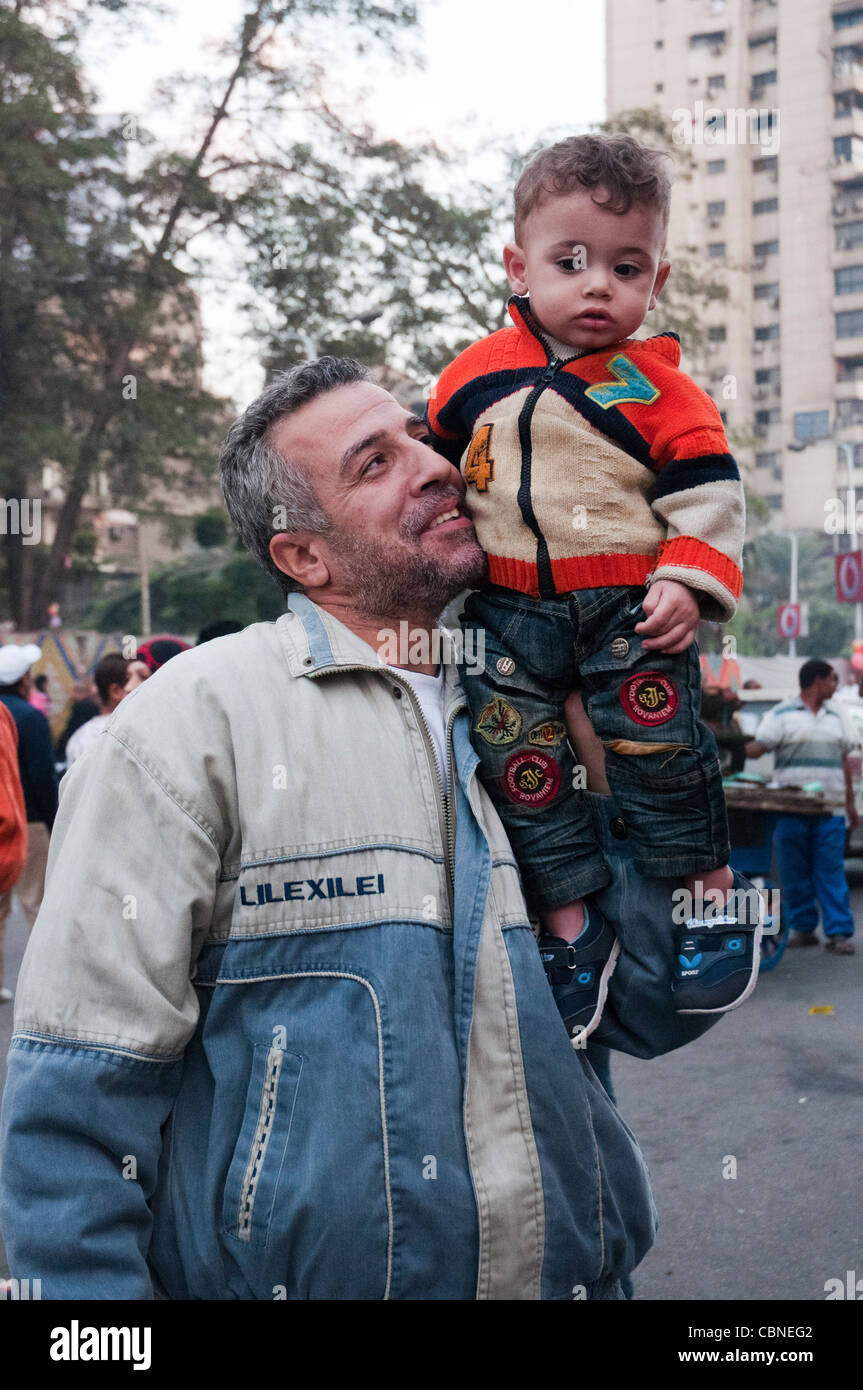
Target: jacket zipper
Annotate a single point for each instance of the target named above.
(446, 804)
(545, 580)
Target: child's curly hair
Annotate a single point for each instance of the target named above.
(629, 171)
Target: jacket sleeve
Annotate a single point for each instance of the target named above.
(698, 498)
(104, 1009)
(444, 416)
(37, 760)
(13, 816)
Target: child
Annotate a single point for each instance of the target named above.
(602, 489)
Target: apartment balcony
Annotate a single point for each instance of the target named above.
(850, 390)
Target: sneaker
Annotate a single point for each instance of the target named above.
(579, 971)
(841, 945)
(718, 959)
(6, 996)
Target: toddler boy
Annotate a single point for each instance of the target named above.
(603, 491)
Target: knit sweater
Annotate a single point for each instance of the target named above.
(603, 468)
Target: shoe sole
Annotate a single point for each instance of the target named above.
(577, 1039)
(753, 977)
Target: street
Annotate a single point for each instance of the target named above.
(772, 1092)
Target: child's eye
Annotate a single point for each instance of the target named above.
(568, 264)
(627, 271)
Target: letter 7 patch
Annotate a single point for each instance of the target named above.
(631, 385)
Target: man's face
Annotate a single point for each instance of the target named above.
(828, 685)
(401, 543)
(623, 273)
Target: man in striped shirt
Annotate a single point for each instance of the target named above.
(811, 738)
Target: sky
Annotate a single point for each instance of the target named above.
(489, 73)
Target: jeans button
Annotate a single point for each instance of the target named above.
(620, 648)
(505, 665)
(617, 826)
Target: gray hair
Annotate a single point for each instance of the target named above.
(258, 483)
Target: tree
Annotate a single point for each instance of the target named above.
(127, 401)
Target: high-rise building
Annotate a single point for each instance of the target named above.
(767, 96)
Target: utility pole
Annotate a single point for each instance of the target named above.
(851, 520)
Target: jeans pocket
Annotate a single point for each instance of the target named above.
(258, 1159)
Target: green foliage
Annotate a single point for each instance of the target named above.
(211, 528)
(185, 597)
(766, 585)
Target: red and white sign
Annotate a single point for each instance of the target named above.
(849, 577)
(793, 620)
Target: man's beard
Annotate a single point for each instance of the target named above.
(399, 580)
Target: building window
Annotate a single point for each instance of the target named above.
(849, 413)
(763, 40)
(849, 236)
(767, 333)
(774, 501)
(847, 59)
(659, 86)
(765, 248)
(760, 80)
(765, 418)
(769, 164)
(849, 324)
(765, 205)
(770, 459)
(847, 148)
(716, 166)
(768, 376)
(846, 103)
(717, 81)
(716, 209)
(849, 280)
(716, 250)
(770, 291)
(844, 19)
(849, 369)
(716, 333)
(811, 424)
(765, 121)
(714, 39)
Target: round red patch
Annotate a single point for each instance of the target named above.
(531, 778)
(650, 697)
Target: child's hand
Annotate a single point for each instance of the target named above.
(672, 617)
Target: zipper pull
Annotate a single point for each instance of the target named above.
(550, 370)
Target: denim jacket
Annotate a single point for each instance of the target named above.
(282, 1030)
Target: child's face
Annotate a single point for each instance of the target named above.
(623, 268)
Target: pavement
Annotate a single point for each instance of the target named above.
(751, 1134)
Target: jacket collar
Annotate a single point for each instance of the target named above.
(315, 643)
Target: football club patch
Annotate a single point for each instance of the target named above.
(547, 735)
(499, 722)
(650, 698)
(531, 778)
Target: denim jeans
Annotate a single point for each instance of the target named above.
(810, 852)
(661, 761)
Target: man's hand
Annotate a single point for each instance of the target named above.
(672, 617)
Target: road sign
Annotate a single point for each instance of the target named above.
(789, 620)
(849, 577)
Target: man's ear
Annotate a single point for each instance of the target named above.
(662, 275)
(301, 556)
(515, 265)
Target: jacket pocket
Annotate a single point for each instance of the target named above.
(260, 1152)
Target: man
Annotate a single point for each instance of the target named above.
(38, 779)
(13, 815)
(812, 738)
(284, 961)
(110, 677)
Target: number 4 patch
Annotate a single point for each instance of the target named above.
(479, 464)
(631, 385)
